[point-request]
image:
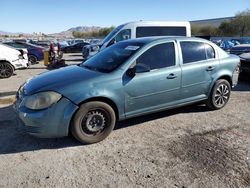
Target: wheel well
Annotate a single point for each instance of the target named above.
(4, 61)
(228, 78)
(100, 99)
(32, 55)
(105, 100)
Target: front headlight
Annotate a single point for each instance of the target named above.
(41, 100)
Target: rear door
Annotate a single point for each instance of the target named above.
(198, 66)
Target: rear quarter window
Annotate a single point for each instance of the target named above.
(210, 51)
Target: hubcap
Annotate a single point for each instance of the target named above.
(95, 121)
(221, 95)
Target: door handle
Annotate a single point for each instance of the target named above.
(210, 68)
(171, 76)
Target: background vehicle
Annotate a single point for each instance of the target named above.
(44, 44)
(35, 53)
(245, 64)
(240, 49)
(120, 83)
(10, 60)
(139, 29)
(76, 48)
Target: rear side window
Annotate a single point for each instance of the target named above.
(160, 31)
(193, 51)
(159, 56)
(210, 51)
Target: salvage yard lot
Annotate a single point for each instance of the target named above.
(185, 147)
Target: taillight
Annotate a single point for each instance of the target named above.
(237, 69)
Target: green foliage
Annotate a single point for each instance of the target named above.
(242, 23)
(93, 34)
(206, 30)
(238, 26)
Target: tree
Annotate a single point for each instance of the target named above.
(206, 30)
(93, 34)
(227, 29)
(241, 23)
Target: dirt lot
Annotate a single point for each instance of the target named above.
(185, 147)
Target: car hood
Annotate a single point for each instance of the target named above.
(60, 80)
(8, 52)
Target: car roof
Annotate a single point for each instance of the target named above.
(163, 38)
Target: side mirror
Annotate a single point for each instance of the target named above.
(131, 72)
(95, 48)
(139, 68)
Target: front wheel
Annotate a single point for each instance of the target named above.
(93, 122)
(219, 95)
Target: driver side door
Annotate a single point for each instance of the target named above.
(157, 88)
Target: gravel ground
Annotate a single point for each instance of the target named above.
(185, 147)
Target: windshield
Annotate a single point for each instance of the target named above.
(112, 57)
(112, 33)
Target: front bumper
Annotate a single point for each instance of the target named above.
(48, 123)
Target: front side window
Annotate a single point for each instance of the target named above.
(193, 51)
(123, 35)
(112, 33)
(159, 56)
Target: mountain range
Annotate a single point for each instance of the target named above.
(67, 33)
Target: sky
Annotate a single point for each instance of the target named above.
(51, 16)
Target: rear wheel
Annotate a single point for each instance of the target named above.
(93, 122)
(6, 70)
(32, 59)
(219, 95)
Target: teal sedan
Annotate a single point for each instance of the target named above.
(128, 79)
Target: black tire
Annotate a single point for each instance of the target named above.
(219, 95)
(93, 122)
(32, 59)
(6, 70)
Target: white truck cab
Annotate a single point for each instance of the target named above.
(139, 29)
(10, 60)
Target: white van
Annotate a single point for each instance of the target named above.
(10, 60)
(139, 29)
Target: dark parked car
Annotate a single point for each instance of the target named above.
(245, 64)
(35, 53)
(44, 44)
(128, 79)
(240, 49)
(76, 48)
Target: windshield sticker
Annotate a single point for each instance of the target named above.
(132, 47)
